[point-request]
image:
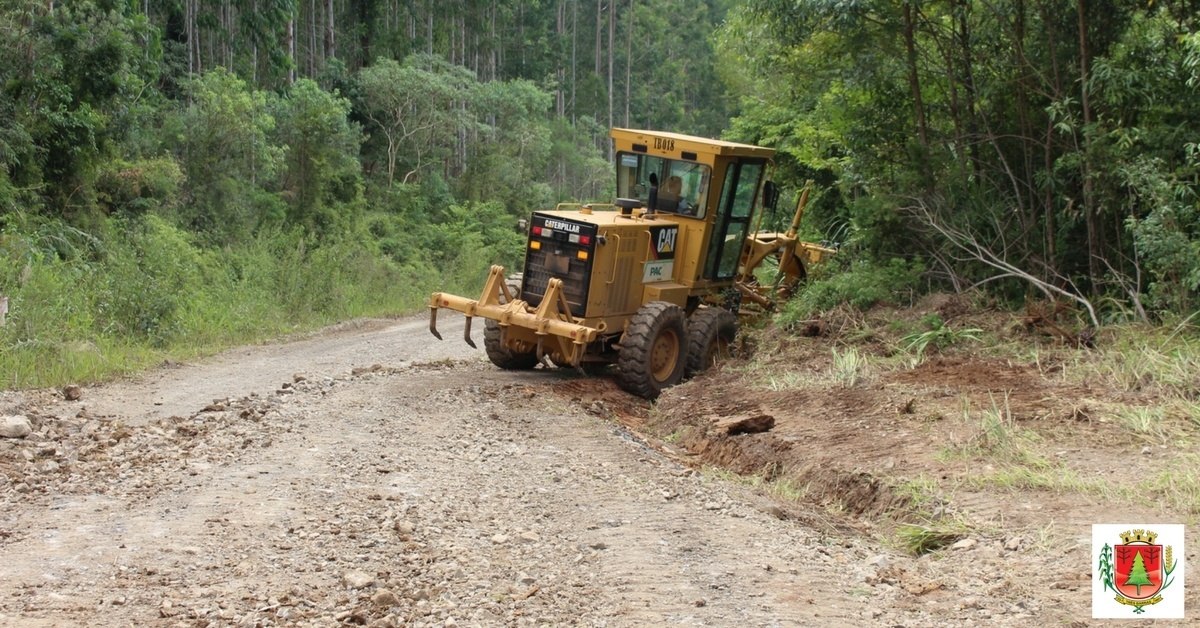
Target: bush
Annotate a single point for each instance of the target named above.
(137, 187)
(863, 285)
(150, 273)
(84, 307)
(1168, 238)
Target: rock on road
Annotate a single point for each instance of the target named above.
(433, 490)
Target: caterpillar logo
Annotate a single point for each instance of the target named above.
(664, 241)
(558, 225)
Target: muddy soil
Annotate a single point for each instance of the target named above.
(371, 475)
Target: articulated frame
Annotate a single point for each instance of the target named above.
(551, 320)
(788, 249)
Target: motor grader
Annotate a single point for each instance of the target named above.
(652, 283)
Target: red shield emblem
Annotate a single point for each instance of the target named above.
(1139, 570)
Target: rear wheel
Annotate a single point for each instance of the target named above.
(653, 350)
(507, 357)
(711, 332)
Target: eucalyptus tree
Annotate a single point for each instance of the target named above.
(418, 107)
(222, 138)
(320, 175)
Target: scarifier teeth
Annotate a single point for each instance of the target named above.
(467, 334)
(433, 323)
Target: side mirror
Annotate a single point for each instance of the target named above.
(770, 195)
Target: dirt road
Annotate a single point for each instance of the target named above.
(431, 490)
(371, 475)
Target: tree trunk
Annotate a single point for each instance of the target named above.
(366, 24)
(291, 47)
(599, 25)
(493, 56)
(560, 27)
(612, 29)
(1095, 253)
(223, 26)
(598, 58)
(193, 44)
(968, 79)
(1023, 114)
(330, 51)
(914, 84)
(254, 46)
(628, 61)
(952, 81)
(314, 37)
(501, 59)
(574, 42)
(1051, 223)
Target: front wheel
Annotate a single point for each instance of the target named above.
(511, 358)
(653, 350)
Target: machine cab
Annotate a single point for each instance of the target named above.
(711, 186)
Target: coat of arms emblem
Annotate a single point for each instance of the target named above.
(1137, 570)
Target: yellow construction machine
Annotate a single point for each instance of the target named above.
(652, 283)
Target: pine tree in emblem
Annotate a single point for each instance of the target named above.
(1138, 577)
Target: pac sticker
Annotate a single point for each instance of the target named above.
(658, 271)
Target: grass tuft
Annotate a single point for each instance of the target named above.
(1179, 486)
(1051, 477)
(1144, 359)
(939, 337)
(918, 539)
(849, 367)
(995, 435)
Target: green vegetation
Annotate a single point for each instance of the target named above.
(992, 433)
(937, 335)
(1142, 358)
(849, 367)
(178, 176)
(781, 486)
(1035, 148)
(918, 539)
(1180, 486)
(860, 283)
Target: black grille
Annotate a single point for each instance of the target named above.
(556, 255)
(537, 278)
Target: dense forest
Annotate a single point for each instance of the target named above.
(191, 173)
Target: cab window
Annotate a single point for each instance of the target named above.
(682, 185)
(732, 223)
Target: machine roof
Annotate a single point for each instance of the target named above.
(694, 143)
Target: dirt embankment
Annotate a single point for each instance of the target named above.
(1008, 451)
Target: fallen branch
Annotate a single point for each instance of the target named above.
(970, 245)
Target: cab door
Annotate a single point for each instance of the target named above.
(738, 193)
